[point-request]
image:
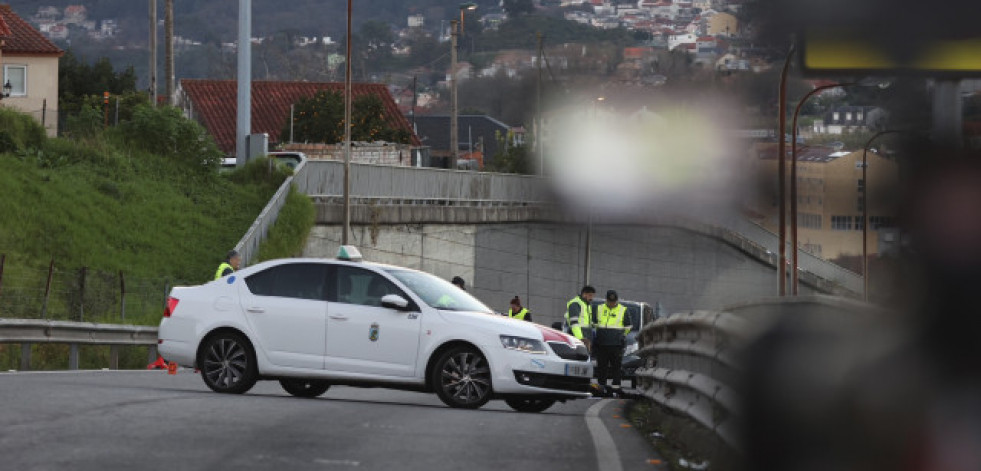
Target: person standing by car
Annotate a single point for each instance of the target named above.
(611, 333)
(230, 264)
(578, 315)
(517, 311)
(458, 282)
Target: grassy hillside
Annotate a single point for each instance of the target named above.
(144, 199)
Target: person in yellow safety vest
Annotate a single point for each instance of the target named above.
(611, 333)
(229, 266)
(518, 312)
(578, 315)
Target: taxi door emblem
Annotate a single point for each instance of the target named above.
(373, 332)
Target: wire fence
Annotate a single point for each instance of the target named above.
(79, 294)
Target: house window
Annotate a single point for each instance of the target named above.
(841, 223)
(859, 223)
(858, 116)
(835, 116)
(16, 75)
(848, 116)
(861, 186)
(861, 204)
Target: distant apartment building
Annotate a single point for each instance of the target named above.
(830, 197)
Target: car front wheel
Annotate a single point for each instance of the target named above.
(462, 378)
(523, 404)
(304, 387)
(228, 363)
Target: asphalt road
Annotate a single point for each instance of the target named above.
(136, 420)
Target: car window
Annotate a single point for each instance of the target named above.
(353, 285)
(438, 292)
(290, 280)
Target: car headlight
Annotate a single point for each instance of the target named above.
(522, 344)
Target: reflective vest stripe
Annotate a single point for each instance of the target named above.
(222, 268)
(577, 323)
(612, 318)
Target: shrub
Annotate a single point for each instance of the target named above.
(164, 131)
(23, 130)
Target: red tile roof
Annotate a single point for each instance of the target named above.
(215, 102)
(23, 38)
(4, 30)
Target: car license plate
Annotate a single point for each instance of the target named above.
(576, 370)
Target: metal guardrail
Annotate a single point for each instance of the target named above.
(326, 177)
(29, 331)
(689, 368)
(248, 245)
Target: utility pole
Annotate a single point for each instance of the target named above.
(347, 131)
(153, 53)
(454, 137)
(540, 143)
(243, 126)
(169, 50)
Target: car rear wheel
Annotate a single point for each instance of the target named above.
(524, 404)
(462, 378)
(304, 387)
(228, 364)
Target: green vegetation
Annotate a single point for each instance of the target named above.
(139, 206)
(321, 119)
(289, 235)
(110, 204)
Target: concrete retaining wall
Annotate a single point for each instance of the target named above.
(543, 263)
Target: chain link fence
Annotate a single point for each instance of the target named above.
(79, 294)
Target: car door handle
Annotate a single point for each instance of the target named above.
(256, 309)
(338, 317)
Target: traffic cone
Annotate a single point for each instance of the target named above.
(160, 364)
(172, 368)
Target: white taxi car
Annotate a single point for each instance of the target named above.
(313, 323)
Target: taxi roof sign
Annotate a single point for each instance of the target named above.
(349, 253)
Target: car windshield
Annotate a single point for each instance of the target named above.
(438, 292)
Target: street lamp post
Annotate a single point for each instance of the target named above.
(782, 171)
(469, 6)
(865, 209)
(793, 182)
(454, 134)
(7, 89)
(793, 169)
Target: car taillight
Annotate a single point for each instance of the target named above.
(171, 305)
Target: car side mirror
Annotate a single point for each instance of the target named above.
(394, 301)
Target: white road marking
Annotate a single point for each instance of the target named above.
(607, 456)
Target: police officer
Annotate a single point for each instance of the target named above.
(611, 333)
(517, 311)
(579, 314)
(230, 264)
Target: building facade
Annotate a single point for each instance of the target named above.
(830, 197)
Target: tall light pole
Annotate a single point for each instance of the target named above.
(153, 53)
(169, 50)
(865, 208)
(782, 171)
(454, 138)
(793, 182)
(347, 131)
(793, 169)
(469, 6)
(243, 125)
